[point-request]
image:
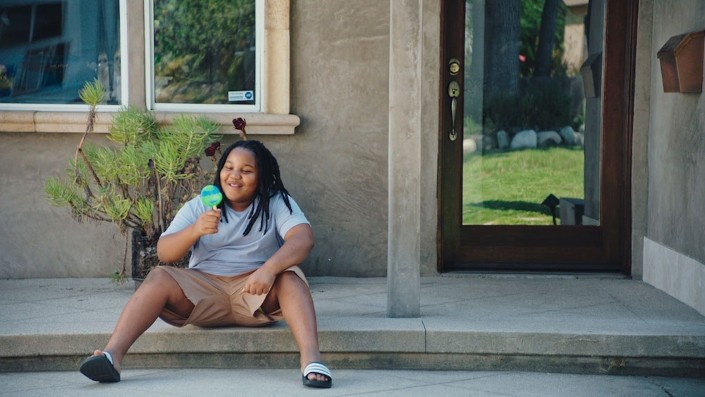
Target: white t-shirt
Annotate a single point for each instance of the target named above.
(228, 252)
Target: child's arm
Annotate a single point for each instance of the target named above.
(172, 247)
(298, 243)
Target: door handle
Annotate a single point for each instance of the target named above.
(453, 93)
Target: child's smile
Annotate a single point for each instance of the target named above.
(238, 178)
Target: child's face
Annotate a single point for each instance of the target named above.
(238, 178)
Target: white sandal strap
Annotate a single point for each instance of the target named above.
(109, 357)
(316, 367)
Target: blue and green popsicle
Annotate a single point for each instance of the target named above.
(211, 196)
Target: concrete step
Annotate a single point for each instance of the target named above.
(575, 324)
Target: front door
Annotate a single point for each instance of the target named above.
(535, 135)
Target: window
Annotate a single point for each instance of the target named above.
(50, 48)
(205, 54)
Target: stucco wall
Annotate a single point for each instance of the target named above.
(335, 165)
(37, 240)
(640, 136)
(674, 241)
(676, 149)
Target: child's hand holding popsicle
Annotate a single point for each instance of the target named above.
(208, 221)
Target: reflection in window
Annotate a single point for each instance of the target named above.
(524, 112)
(50, 48)
(204, 52)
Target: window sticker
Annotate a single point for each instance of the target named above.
(239, 96)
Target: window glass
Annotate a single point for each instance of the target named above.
(50, 48)
(204, 52)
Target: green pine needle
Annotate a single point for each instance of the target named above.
(92, 93)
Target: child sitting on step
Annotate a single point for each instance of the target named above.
(242, 270)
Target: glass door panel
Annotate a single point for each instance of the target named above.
(535, 135)
(524, 113)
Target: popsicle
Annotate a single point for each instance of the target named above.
(211, 196)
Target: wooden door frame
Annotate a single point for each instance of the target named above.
(576, 248)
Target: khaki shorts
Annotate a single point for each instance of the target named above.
(218, 300)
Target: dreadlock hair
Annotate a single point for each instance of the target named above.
(269, 183)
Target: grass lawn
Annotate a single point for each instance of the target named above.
(508, 188)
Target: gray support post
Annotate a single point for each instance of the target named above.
(405, 73)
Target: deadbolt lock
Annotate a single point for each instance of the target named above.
(454, 66)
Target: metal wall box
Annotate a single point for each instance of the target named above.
(681, 60)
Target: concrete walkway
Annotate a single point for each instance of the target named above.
(502, 334)
(402, 383)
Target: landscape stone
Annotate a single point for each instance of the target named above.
(568, 135)
(524, 140)
(548, 139)
(502, 140)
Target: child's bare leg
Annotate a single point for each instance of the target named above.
(157, 291)
(293, 296)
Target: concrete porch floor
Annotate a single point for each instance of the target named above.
(579, 324)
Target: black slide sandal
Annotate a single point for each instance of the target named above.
(100, 369)
(320, 369)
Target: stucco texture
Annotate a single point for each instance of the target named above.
(337, 161)
(39, 240)
(676, 149)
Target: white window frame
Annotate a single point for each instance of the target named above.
(196, 107)
(273, 117)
